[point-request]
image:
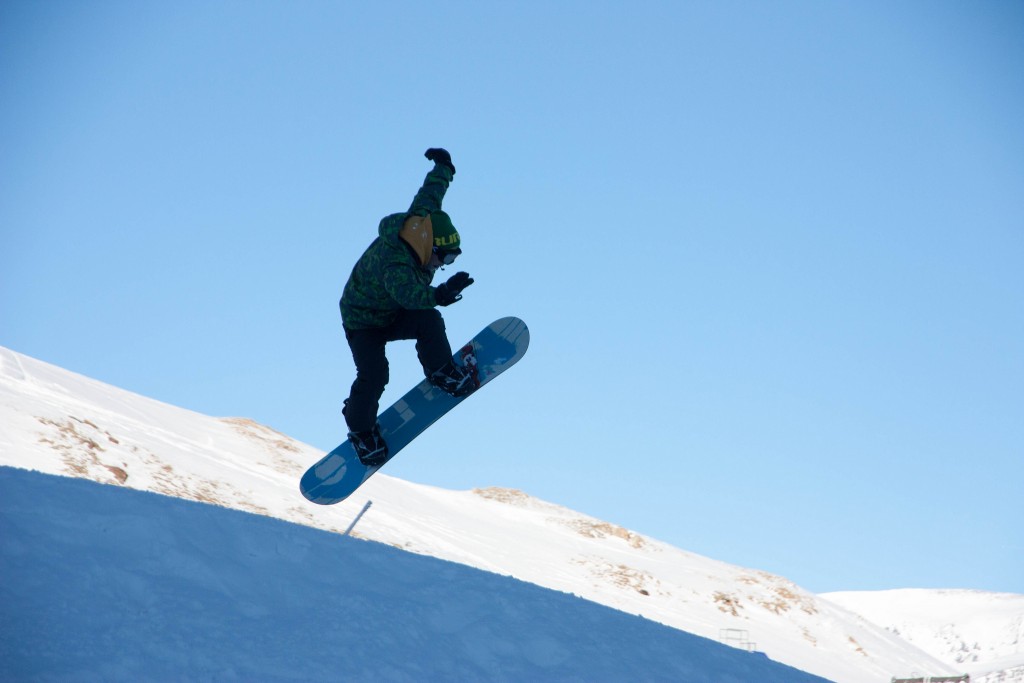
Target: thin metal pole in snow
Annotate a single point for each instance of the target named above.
(355, 521)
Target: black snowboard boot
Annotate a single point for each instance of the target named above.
(453, 379)
(370, 446)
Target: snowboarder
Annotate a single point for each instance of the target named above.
(389, 297)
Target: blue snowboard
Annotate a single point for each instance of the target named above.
(338, 474)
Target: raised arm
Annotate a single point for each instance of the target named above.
(430, 196)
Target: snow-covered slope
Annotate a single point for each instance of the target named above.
(979, 632)
(104, 583)
(62, 423)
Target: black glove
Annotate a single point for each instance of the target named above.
(451, 291)
(440, 156)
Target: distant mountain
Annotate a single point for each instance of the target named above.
(58, 422)
(978, 632)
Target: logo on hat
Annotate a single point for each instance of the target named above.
(448, 241)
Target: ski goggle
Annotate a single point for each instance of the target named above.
(447, 256)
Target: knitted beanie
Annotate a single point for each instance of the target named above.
(445, 235)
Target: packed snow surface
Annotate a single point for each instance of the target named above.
(111, 584)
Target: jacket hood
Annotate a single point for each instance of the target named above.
(418, 232)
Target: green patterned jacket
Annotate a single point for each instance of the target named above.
(390, 275)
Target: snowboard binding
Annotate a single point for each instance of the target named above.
(370, 446)
(453, 379)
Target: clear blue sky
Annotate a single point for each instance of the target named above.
(771, 254)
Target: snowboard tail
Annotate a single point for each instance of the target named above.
(495, 349)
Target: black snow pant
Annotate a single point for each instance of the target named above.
(425, 326)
